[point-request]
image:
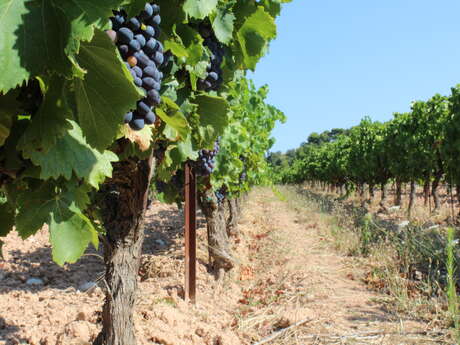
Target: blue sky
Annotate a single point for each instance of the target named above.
(336, 61)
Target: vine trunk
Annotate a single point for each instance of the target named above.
(124, 201)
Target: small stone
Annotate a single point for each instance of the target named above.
(35, 281)
(200, 332)
(81, 316)
(404, 224)
(418, 275)
(394, 208)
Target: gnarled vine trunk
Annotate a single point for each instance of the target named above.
(457, 192)
(234, 216)
(123, 202)
(398, 196)
(371, 192)
(220, 258)
(412, 197)
(434, 191)
(426, 191)
(383, 196)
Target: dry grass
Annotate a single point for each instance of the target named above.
(407, 265)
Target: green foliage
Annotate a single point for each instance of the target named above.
(246, 140)
(55, 156)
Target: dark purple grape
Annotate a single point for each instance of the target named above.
(138, 71)
(128, 117)
(156, 9)
(150, 118)
(125, 35)
(134, 24)
(151, 46)
(147, 12)
(160, 48)
(138, 82)
(148, 32)
(117, 22)
(213, 76)
(159, 58)
(142, 108)
(153, 98)
(142, 59)
(152, 72)
(137, 123)
(123, 49)
(148, 83)
(134, 45)
(155, 21)
(140, 39)
(133, 73)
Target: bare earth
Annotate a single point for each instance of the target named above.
(286, 275)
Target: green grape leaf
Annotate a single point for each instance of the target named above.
(35, 206)
(51, 119)
(223, 25)
(36, 36)
(199, 8)
(6, 219)
(70, 236)
(134, 7)
(173, 117)
(71, 154)
(177, 48)
(193, 42)
(272, 7)
(183, 151)
(171, 15)
(30, 41)
(213, 116)
(254, 35)
(106, 93)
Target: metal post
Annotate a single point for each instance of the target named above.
(190, 234)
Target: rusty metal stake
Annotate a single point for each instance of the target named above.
(190, 234)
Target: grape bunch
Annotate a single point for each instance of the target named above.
(138, 44)
(205, 163)
(213, 80)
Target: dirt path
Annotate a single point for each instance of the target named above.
(286, 273)
(341, 308)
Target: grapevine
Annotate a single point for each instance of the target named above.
(74, 73)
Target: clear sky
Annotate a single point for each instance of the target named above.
(336, 61)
